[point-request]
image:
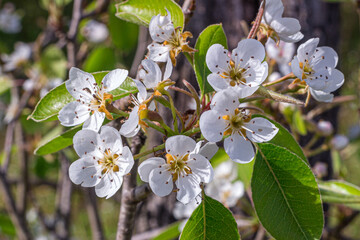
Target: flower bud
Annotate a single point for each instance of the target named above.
(325, 127)
(339, 142)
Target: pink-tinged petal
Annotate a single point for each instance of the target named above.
(217, 82)
(307, 49)
(73, 113)
(212, 125)
(151, 74)
(114, 79)
(225, 101)
(239, 149)
(189, 188)
(131, 126)
(81, 85)
(248, 49)
(83, 172)
(161, 27)
(160, 182)
(179, 145)
(110, 138)
(86, 142)
(324, 57)
(217, 59)
(158, 52)
(148, 165)
(201, 167)
(321, 96)
(291, 38)
(261, 130)
(273, 10)
(286, 26)
(95, 121)
(209, 150)
(126, 161)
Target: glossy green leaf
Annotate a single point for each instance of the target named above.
(210, 220)
(50, 105)
(209, 36)
(171, 232)
(101, 58)
(285, 194)
(284, 139)
(340, 192)
(141, 12)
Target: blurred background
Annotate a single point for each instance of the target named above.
(41, 40)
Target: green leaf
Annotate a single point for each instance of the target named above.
(141, 12)
(284, 139)
(285, 194)
(210, 220)
(57, 143)
(299, 122)
(209, 36)
(340, 192)
(171, 232)
(6, 226)
(101, 58)
(50, 105)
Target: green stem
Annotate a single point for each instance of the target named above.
(192, 131)
(113, 109)
(154, 126)
(143, 154)
(277, 96)
(280, 80)
(173, 111)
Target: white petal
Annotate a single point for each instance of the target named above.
(244, 91)
(110, 138)
(248, 49)
(286, 26)
(151, 74)
(80, 83)
(259, 72)
(295, 68)
(73, 113)
(114, 79)
(225, 101)
(108, 185)
(307, 49)
(212, 125)
(201, 167)
(142, 94)
(189, 188)
(179, 145)
(131, 126)
(334, 81)
(325, 57)
(161, 27)
(168, 69)
(209, 150)
(158, 52)
(127, 161)
(95, 121)
(263, 130)
(217, 58)
(160, 182)
(273, 10)
(217, 82)
(86, 142)
(239, 149)
(291, 38)
(82, 171)
(322, 96)
(236, 192)
(148, 165)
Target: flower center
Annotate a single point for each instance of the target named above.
(236, 122)
(178, 165)
(108, 162)
(307, 69)
(178, 43)
(99, 100)
(235, 73)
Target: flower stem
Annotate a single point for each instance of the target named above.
(143, 154)
(277, 96)
(113, 109)
(192, 132)
(280, 80)
(173, 111)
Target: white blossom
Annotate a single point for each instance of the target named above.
(168, 41)
(243, 70)
(151, 74)
(225, 119)
(9, 20)
(316, 67)
(95, 31)
(20, 56)
(282, 53)
(91, 99)
(103, 160)
(183, 167)
(277, 27)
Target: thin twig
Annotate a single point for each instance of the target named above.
(94, 217)
(140, 50)
(257, 21)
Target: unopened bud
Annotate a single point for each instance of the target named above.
(339, 142)
(325, 127)
(320, 169)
